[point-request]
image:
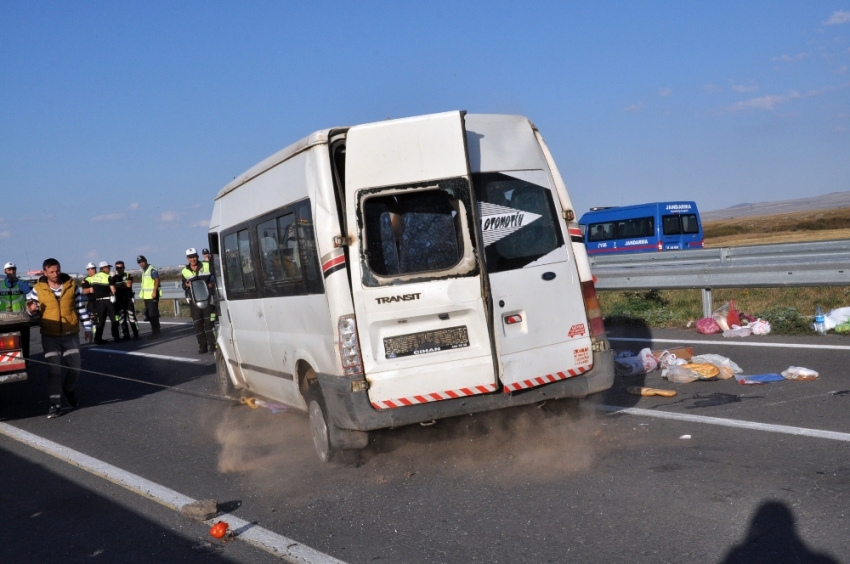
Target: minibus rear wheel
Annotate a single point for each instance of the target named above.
(319, 430)
(225, 384)
(332, 443)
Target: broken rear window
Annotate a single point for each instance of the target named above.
(412, 232)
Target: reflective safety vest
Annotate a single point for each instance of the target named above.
(146, 291)
(204, 270)
(100, 283)
(14, 298)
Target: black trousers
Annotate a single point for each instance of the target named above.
(204, 324)
(152, 311)
(105, 311)
(125, 313)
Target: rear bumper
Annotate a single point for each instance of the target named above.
(352, 410)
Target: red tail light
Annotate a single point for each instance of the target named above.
(10, 342)
(594, 310)
(660, 246)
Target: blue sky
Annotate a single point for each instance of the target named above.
(120, 121)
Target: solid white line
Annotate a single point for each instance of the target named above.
(278, 545)
(735, 343)
(784, 429)
(148, 355)
(168, 322)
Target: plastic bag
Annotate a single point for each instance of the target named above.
(800, 374)
(733, 318)
(707, 326)
(668, 359)
(758, 379)
(627, 364)
(843, 327)
(725, 365)
(680, 375)
(737, 331)
(650, 363)
(836, 317)
(720, 316)
(760, 327)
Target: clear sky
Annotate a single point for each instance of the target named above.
(120, 121)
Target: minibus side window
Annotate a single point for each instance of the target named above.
(670, 224)
(412, 232)
(601, 232)
(637, 227)
(689, 223)
(309, 253)
(231, 263)
(279, 249)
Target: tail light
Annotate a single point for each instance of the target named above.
(660, 246)
(10, 342)
(594, 310)
(349, 347)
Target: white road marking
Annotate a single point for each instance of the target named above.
(738, 423)
(278, 545)
(735, 343)
(167, 322)
(148, 355)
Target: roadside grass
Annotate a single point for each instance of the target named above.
(820, 225)
(789, 310)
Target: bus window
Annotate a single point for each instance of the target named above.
(690, 224)
(638, 227)
(670, 224)
(601, 232)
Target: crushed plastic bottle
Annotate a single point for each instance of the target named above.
(820, 326)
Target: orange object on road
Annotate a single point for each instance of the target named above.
(642, 391)
(219, 530)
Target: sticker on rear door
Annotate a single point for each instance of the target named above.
(426, 342)
(577, 329)
(497, 222)
(581, 356)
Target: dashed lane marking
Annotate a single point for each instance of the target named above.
(734, 343)
(737, 423)
(273, 543)
(147, 355)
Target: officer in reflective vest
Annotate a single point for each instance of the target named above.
(150, 292)
(13, 297)
(88, 292)
(204, 318)
(125, 309)
(104, 297)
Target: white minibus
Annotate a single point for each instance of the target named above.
(405, 271)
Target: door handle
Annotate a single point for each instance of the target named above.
(548, 276)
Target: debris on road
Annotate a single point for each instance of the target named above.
(691, 372)
(800, 374)
(732, 323)
(200, 510)
(685, 437)
(220, 530)
(758, 379)
(254, 403)
(646, 392)
(725, 366)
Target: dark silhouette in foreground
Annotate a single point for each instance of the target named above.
(773, 538)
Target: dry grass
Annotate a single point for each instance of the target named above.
(822, 225)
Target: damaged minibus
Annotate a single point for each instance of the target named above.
(405, 271)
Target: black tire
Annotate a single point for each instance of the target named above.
(319, 430)
(225, 384)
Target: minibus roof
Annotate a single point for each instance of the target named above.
(316, 138)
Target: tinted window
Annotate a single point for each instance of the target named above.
(670, 224)
(518, 221)
(307, 242)
(637, 227)
(279, 249)
(412, 232)
(231, 263)
(689, 223)
(601, 231)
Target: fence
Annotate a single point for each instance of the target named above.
(825, 263)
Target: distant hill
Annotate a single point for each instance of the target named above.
(826, 202)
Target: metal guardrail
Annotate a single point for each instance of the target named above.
(825, 263)
(170, 291)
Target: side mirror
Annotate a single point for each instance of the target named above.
(200, 292)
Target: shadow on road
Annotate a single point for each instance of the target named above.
(49, 518)
(617, 394)
(773, 538)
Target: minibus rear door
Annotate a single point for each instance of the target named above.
(416, 282)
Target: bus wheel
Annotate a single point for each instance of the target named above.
(225, 384)
(319, 429)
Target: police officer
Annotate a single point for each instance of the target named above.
(104, 297)
(88, 292)
(150, 293)
(207, 262)
(125, 309)
(203, 317)
(13, 297)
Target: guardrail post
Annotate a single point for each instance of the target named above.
(706, 302)
(176, 308)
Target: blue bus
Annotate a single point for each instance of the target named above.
(659, 226)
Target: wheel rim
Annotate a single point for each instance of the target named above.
(319, 428)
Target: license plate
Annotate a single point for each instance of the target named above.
(426, 342)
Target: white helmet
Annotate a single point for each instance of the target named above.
(191, 251)
(9, 265)
(90, 265)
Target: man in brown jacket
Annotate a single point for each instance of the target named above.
(59, 302)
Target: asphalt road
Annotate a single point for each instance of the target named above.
(562, 482)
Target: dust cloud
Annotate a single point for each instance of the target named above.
(528, 444)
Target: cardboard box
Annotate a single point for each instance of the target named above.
(685, 353)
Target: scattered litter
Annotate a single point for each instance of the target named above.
(839, 392)
(200, 510)
(220, 531)
(726, 367)
(760, 327)
(685, 437)
(646, 392)
(738, 331)
(681, 352)
(254, 403)
(757, 379)
(691, 372)
(843, 327)
(820, 322)
(836, 318)
(720, 316)
(800, 374)
(708, 326)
